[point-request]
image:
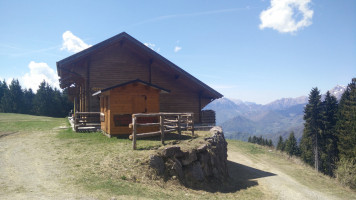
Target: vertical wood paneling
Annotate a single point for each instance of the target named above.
(122, 63)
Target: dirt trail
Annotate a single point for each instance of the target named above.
(278, 184)
(29, 168)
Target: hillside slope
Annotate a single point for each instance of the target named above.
(41, 160)
(281, 177)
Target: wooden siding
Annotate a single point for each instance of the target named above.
(120, 63)
(127, 100)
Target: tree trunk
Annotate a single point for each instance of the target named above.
(316, 154)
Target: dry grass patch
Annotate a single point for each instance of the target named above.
(108, 167)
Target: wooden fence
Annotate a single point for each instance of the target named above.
(86, 121)
(168, 122)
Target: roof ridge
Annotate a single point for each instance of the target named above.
(145, 48)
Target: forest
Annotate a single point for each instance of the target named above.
(47, 101)
(329, 137)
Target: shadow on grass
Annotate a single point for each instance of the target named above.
(241, 177)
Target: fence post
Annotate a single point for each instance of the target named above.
(76, 122)
(178, 124)
(133, 132)
(192, 116)
(161, 123)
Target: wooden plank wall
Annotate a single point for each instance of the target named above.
(122, 102)
(118, 64)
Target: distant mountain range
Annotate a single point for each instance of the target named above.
(240, 119)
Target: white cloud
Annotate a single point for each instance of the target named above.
(8, 81)
(38, 73)
(287, 16)
(152, 46)
(72, 43)
(177, 48)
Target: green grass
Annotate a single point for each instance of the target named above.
(108, 167)
(10, 122)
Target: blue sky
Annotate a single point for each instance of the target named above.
(253, 50)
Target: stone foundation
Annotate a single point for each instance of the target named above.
(195, 166)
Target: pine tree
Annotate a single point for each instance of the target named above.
(3, 90)
(280, 144)
(6, 104)
(312, 127)
(306, 149)
(28, 101)
(254, 139)
(42, 102)
(291, 146)
(346, 129)
(12, 100)
(329, 151)
(16, 93)
(346, 125)
(66, 104)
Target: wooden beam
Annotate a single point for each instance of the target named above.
(179, 125)
(145, 135)
(161, 121)
(199, 111)
(160, 114)
(143, 125)
(134, 133)
(88, 87)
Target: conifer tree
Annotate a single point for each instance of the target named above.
(312, 127)
(66, 104)
(28, 101)
(42, 102)
(346, 125)
(16, 93)
(329, 151)
(3, 90)
(12, 100)
(306, 149)
(280, 144)
(291, 146)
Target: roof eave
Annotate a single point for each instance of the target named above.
(153, 53)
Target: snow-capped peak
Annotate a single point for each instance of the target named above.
(337, 91)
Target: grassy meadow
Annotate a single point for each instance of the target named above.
(103, 168)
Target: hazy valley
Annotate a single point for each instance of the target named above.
(241, 119)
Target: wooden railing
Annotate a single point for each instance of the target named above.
(86, 120)
(168, 122)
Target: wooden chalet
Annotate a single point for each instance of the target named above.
(110, 68)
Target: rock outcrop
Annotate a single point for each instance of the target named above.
(195, 166)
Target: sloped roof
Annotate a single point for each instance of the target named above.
(129, 82)
(124, 36)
